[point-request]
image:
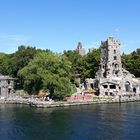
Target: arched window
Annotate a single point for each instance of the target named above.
(116, 65)
(113, 65)
(114, 51)
(127, 86)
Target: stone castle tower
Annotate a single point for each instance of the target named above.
(80, 49)
(112, 78)
(110, 58)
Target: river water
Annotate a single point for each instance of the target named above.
(86, 122)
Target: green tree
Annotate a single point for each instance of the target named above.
(5, 64)
(77, 64)
(83, 66)
(21, 58)
(92, 61)
(50, 72)
(131, 62)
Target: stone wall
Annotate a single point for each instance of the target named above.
(6, 86)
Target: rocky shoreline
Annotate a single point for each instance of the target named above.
(48, 104)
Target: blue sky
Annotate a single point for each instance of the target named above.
(59, 24)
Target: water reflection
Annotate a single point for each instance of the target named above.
(92, 122)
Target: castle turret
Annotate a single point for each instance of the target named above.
(80, 49)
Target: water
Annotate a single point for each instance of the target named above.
(91, 122)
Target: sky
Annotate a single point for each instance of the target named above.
(59, 25)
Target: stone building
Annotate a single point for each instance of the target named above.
(6, 86)
(89, 83)
(80, 49)
(112, 79)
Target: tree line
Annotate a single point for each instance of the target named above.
(36, 69)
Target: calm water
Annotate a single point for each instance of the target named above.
(93, 122)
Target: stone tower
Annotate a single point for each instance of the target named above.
(80, 49)
(110, 63)
(111, 78)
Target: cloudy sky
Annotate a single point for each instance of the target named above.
(59, 24)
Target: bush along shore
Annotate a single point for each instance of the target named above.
(35, 102)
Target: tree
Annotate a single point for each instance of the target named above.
(3, 66)
(131, 62)
(83, 66)
(10, 64)
(92, 61)
(50, 72)
(21, 58)
(77, 64)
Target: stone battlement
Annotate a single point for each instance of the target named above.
(111, 42)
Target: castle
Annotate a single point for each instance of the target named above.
(111, 78)
(80, 50)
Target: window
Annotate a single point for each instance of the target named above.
(115, 57)
(116, 72)
(8, 82)
(134, 90)
(106, 93)
(112, 86)
(92, 86)
(113, 65)
(127, 86)
(104, 74)
(105, 86)
(114, 51)
(9, 91)
(116, 65)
